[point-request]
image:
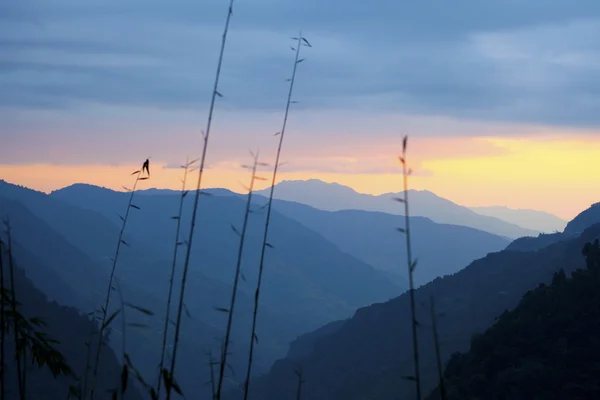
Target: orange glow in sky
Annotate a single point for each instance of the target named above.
(545, 173)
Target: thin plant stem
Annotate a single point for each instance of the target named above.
(88, 356)
(438, 356)
(265, 243)
(104, 310)
(186, 263)
(124, 330)
(236, 281)
(13, 301)
(411, 267)
(2, 324)
(172, 278)
(300, 383)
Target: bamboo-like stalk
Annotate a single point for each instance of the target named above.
(299, 374)
(186, 263)
(172, 278)
(123, 334)
(88, 357)
(104, 310)
(411, 268)
(13, 301)
(301, 41)
(2, 324)
(236, 279)
(438, 356)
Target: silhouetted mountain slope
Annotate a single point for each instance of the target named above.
(546, 348)
(291, 271)
(540, 221)
(70, 329)
(536, 243)
(335, 197)
(303, 289)
(583, 220)
(70, 278)
(365, 357)
(373, 237)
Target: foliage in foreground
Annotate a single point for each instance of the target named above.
(546, 348)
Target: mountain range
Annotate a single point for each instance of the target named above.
(423, 203)
(364, 356)
(324, 266)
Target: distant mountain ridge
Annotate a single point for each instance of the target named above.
(362, 357)
(372, 237)
(532, 219)
(336, 197)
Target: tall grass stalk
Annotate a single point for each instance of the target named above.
(186, 263)
(438, 356)
(299, 374)
(236, 278)
(13, 305)
(2, 324)
(115, 259)
(88, 357)
(177, 218)
(412, 264)
(253, 337)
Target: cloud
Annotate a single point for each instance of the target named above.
(113, 82)
(502, 60)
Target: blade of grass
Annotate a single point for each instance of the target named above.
(186, 263)
(265, 243)
(236, 281)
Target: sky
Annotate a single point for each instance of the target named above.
(500, 98)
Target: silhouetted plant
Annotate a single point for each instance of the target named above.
(169, 375)
(13, 308)
(3, 299)
(438, 356)
(299, 374)
(177, 218)
(29, 339)
(106, 320)
(412, 264)
(253, 337)
(231, 309)
(88, 358)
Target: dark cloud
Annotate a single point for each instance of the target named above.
(503, 60)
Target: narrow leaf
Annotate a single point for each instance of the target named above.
(134, 206)
(135, 172)
(140, 309)
(110, 319)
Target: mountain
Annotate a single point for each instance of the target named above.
(364, 356)
(70, 278)
(302, 290)
(69, 328)
(373, 237)
(547, 347)
(335, 197)
(583, 220)
(531, 219)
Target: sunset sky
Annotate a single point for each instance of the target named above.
(500, 98)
